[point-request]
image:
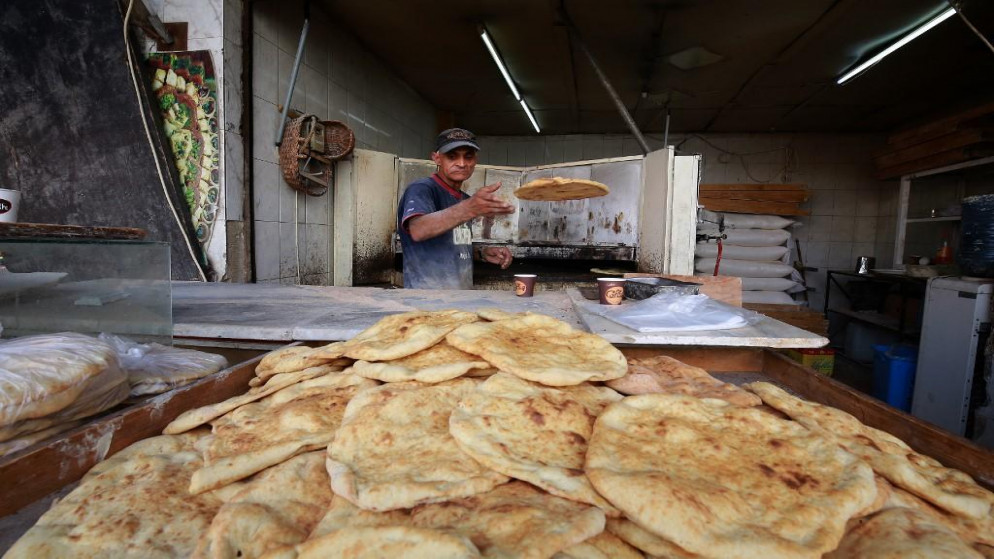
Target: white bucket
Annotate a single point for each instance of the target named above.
(10, 201)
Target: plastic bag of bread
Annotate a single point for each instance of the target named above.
(155, 368)
(49, 381)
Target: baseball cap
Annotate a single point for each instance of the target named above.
(453, 138)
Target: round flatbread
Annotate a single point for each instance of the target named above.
(394, 451)
(438, 363)
(602, 546)
(725, 481)
(514, 520)
(542, 349)
(404, 334)
(889, 456)
(897, 533)
(559, 188)
(533, 433)
(374, 542)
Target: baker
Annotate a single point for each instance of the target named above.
(434, 214)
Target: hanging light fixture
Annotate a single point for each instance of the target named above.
(946, 14)
(507, 76)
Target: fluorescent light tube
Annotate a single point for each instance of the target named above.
(900, 43)
(530, 117)
(500, 64)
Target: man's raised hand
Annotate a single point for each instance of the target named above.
(485, 202)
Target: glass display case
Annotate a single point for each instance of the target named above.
(86, 286)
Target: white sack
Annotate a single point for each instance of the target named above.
(768, 284)
(744, 268)
(767, 297)
(749, 221)
(750, 237)
(738, 252)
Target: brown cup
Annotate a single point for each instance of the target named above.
(524, 284)
(612, 290)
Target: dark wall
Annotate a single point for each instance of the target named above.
(71, 138)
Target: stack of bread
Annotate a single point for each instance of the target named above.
(49, 382)
(460, 434)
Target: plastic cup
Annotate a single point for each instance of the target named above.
(612, 290)
(10, 201)
(524, 284)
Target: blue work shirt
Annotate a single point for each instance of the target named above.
(442, 262)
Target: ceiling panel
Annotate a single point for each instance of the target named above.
(780, 59)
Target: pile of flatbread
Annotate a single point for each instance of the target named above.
(49, 382)
(555, 189)
(492, 434)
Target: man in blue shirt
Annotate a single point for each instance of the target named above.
(434, 214)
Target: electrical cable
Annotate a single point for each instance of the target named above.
(970, 25)
(151, 144)
(296, 232)
(717, 261)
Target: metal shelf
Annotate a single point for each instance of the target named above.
(931, 219)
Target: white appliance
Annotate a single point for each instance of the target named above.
(956, 317)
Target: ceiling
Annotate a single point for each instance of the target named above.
(779, 60)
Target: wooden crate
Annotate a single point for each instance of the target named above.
(34, 472)
(32, 475)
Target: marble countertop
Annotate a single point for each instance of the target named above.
(768, 332)
(311, 313)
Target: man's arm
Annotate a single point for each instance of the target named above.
(429, 226)
(483, 203)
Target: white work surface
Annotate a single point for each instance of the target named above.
(309, 313)
(250, 311)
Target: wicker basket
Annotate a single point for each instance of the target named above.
(294, 153)
(339, 141)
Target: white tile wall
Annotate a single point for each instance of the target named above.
(338, 80)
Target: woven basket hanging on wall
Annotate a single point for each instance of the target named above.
(296, 157)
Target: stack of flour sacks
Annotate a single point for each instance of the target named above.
(757, 249)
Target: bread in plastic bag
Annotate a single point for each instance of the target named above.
(155, 368)
(68, 374)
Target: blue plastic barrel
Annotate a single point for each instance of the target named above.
(894, 374)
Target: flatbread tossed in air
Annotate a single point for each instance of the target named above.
(558, 188)
(438, 363)
(133, 504)
(198, 416)
(898, 533)
(514, 520)
(297, 419)
(602, 546)
(533, 433)
(542, 349)
(394, 451)
(889, 456)
(404, 334)
(664, 374)
(725, 481)
(377, 542)
(274, 509)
